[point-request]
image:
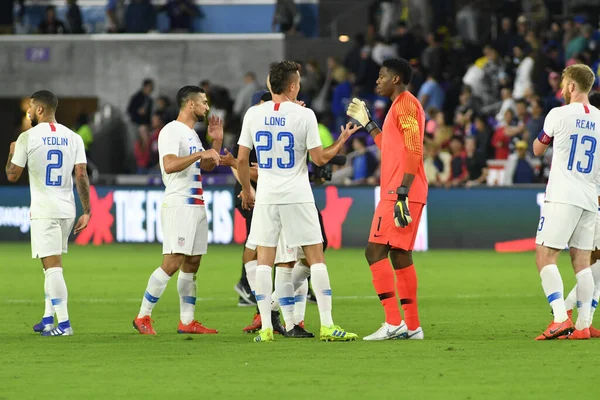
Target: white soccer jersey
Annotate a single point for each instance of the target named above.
(182, 188)
(51, 150)
(281, 133)
(576, 155)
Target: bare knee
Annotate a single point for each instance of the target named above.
(376, 252)
(171, 263)
(314, 254)
(580, 259)
(191, 264)
(401, 258)
(545, 256)
(248, 255)
(286, 265)
(52, 262)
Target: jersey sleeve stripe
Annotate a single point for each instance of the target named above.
(543, 138)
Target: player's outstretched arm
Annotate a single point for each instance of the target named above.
(321, 156)
(173, 164)
(13, 172)
(82, 183)
(244, 177)
(357, 109)
(215, 131)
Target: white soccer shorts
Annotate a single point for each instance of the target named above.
(185, 230)
(283, 255)
(565, 224)
(298, 223)
(597, 232)
(50, 237)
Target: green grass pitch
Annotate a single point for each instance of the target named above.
(480, 312)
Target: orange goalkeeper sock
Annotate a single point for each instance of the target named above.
(406, 282)
(383, 281)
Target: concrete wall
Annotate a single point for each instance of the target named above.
(113, 67)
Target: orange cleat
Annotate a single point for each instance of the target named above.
(195, 327)
(583, 334)
(255, 325)
(301, 324)
(556, 329)
(144, 325)
(594, 333)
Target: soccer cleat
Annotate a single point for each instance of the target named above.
(310, 296)
(144, 325)
(570, 314)
(594, 333)
(583, 334)
(265, 335)
(196, 328)
(255, 325)
(335, 333)
(45, 325)
(245, 293)
(59, 331)
(417, 334)
(298, 332)
(387, 332)
(244, 303)
(276, 322)
(556, 329)
(301, 324)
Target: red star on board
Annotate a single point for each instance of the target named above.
(334, 214)
(101, 220)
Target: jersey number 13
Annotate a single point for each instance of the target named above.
(590, 149)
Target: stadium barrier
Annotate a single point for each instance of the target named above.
(478, 218)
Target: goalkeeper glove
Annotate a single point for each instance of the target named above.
(401, 213)
(357, 109)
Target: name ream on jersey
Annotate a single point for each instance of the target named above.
(55, 141)
(585, 124)
(275, 121)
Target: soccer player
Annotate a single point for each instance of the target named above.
(183, 217)
(396, 220)
(283, 133)
(53, 153)
(571, 300)
(571, 205)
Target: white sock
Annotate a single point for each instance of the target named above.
(322, 287)
(284, 288)
(250, 267)
(156, 286)
(553, 288)
(571, 300)
(585, 294)
(300, 274)
(186, 286)
(57, 290)
(274, 298)
(264, 290)
(48, 307)
(596, 273)
(300, 302)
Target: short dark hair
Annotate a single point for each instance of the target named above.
(400, 67)
(185, 93)
(148, 81)
(281, 74)
(595, 99)
(47, 98)
(266, 97)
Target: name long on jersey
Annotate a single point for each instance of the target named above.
(51, 151)
(575, 170)
(282, 134)
(181, 188)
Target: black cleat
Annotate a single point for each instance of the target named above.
(277, 326)
(299, 332)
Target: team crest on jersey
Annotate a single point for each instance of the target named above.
(181, 241)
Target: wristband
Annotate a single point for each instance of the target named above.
(402, 192)
(371, 125)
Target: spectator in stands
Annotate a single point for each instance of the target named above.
(243, 100)
(535, 124)
(458, 165)
(324, 132)
(482, 133)
(382, 50)
(340, 98)
(352, 60)
(434, 56)
(140, 17)
(508, 103)
(368, 72)
(523, 72)
(181, 15)
(74, 18)
(507, 39)
(142, 149)
(364, 163)
(475, 162)
(467, 101)
(405, 42)
(50, 25)
(7, 15)
(443, 132)
(140, 104)
(493, 70)
(500, 140)
(157, 124)
(436, 164)
(115, 16)
(431, 93)
(579, 43)
(287, 16)
(554, 96)
(519, 168)
(84, 130)
(165, 109)
(312, 80)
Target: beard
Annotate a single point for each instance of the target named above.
(33, 119)
(567, 97)
(199, 117)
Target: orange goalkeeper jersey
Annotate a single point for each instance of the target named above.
(401, 144)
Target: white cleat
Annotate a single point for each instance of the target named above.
(58, 331)
(387, 332)
(417, 334)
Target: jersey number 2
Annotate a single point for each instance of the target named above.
(52, 155)
(589, 153)
(267, 162)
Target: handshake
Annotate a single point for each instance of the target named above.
(357, 110)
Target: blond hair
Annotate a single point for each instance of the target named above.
(582, 75)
